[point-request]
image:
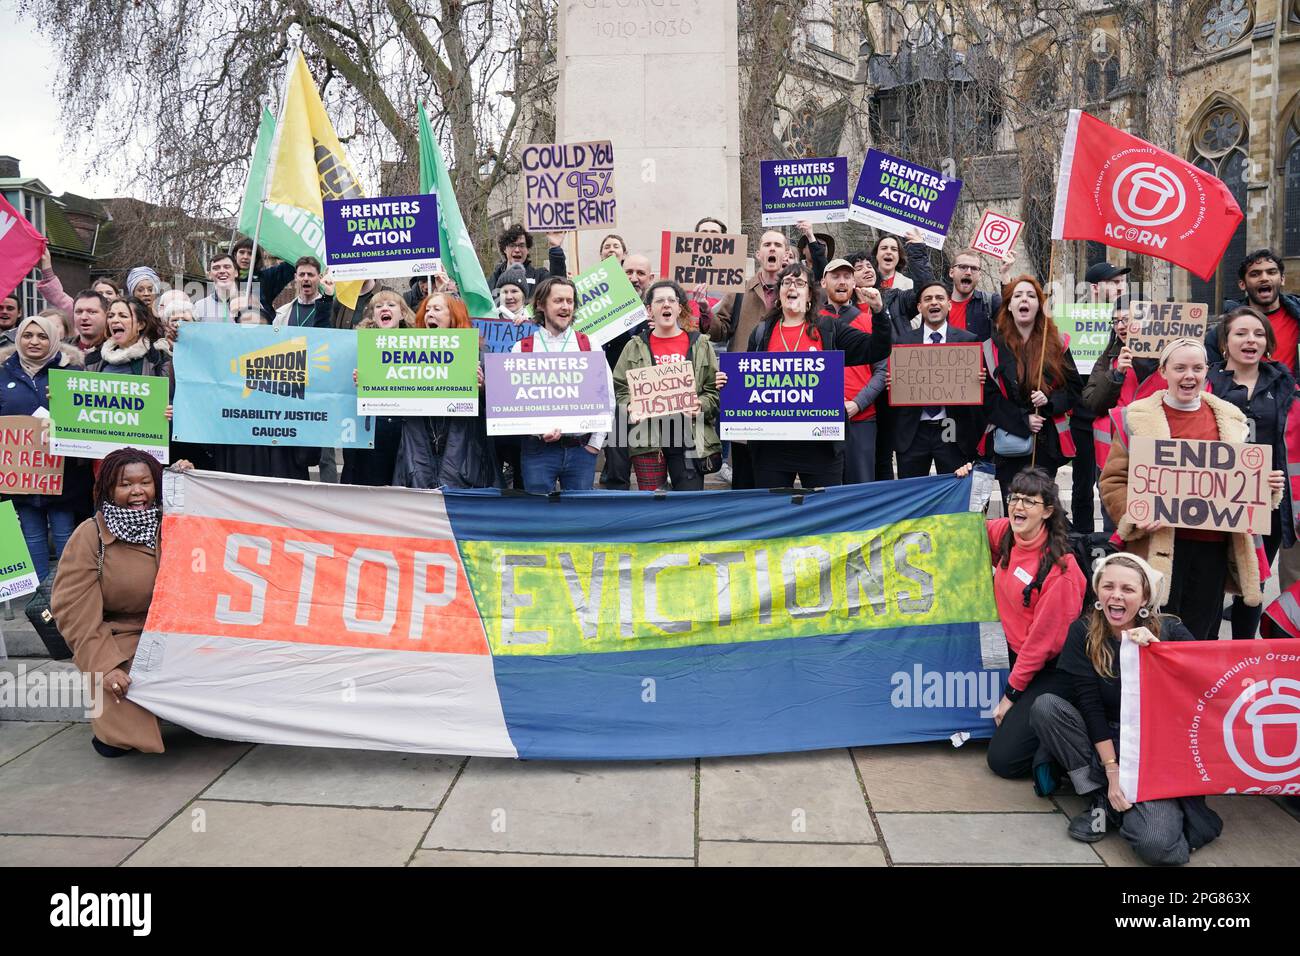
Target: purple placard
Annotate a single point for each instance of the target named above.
(382, 238)
(500, 335)
(782, 395)
(531, 393)
(897, 196)
(813, 189)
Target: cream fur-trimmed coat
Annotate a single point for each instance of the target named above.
(1146, 418)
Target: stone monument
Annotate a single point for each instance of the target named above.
(660, 79)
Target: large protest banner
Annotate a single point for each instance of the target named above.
(1087, 328)
(783, 395)
(268, 385)
(536, 392)
(417, 372)
(1153, 325)
(942, 374)
(95, 413)
(716, 260)
(500, 335)
(1208, 485)
(619, 627)
(382, 238)
(607, 303)
(568, 187)
(898, 196)
(17, 575)
(1206, 717)
(813, 189)
(27, 467)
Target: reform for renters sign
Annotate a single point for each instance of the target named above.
(417, 372)
(1209, 485)
(380, 238)
(715, 260)
(531, 393)
(796, 396)
(816, 190)
(607, 302)
(568, 187)
(95, 413)
(898, 196)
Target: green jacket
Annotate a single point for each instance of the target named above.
(651, 435)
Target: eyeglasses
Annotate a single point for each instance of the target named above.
(662, 301)
(962, 267)
(1024, 500)
(794, 282)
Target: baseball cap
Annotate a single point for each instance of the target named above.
(837, 264)
(1103, 271)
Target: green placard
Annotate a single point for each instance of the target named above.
(95, 413)
(607, 303)
(417, 371)
(17, 576)
(1088, 325)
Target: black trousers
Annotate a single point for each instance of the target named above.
(742, 466)
(860, 452)
(778, 477)
(1014, 743)
(1245, 619)
(1082, 512)
(682, 473)
(1197, 585)
(928, 446)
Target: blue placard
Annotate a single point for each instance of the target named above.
(897, 196)
(267, 385)
(500, 335)
(382, 238)
(816, 190)
(782, 395)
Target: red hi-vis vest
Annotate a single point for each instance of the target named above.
(1129, 393)
(1282, 616)
(584, 343)
(1062, 422)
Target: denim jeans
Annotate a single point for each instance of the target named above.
(544, 462)
(41, 520)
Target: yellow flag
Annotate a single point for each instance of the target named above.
(308, 163)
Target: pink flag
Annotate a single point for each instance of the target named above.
(21, 247)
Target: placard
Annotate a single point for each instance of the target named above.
(796, 396)
(718, 260)
(662, 390)
(1210, 485)
(27, 467)
(607, 304)
(531, 393)
(417, 372)
(568, 187)
(17, 576)
(96, 413)
(1089, 327)
(996, 234)
(382, 237)
(500, 335)
(898, 196)
(941, 373)
(815, 190)
(1155, 324)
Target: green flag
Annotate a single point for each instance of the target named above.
(458, 255)
(288, 232)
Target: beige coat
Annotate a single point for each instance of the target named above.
(102, 620)
(1146, 418)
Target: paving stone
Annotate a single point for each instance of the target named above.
(464, 858)
(250, 834)
(938, 777)
(19, 735)
(45, 690)
(602, 808)
(64, 851)
(1256, 832)
(714, 853)
(799, 798)
(350, 778)
(981, 838)
(64, 787)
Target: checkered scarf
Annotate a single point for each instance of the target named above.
(136, 525)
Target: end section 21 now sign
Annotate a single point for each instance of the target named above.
(382, 238)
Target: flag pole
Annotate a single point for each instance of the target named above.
(270, 166)
(1042, 352)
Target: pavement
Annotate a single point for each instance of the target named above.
(216, 803)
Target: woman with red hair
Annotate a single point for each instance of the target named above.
(1036, 382)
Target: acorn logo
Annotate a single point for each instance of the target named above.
(281, 369)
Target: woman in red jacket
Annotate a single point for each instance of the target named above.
(1039, 591)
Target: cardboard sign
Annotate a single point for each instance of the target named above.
(771, 396)
(1088, 327)
(662, 390)
(383, 237)
(898, 196)
(716, 259)
(500, 335)
(95, 413)
(607, 303)
(26, 465)
(531, 393)
(1155, 324)
(417, 372)
(568, 187)
(17, 576)
(943, 373)
(996, 234)
(816, 190)
(1213, 485)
